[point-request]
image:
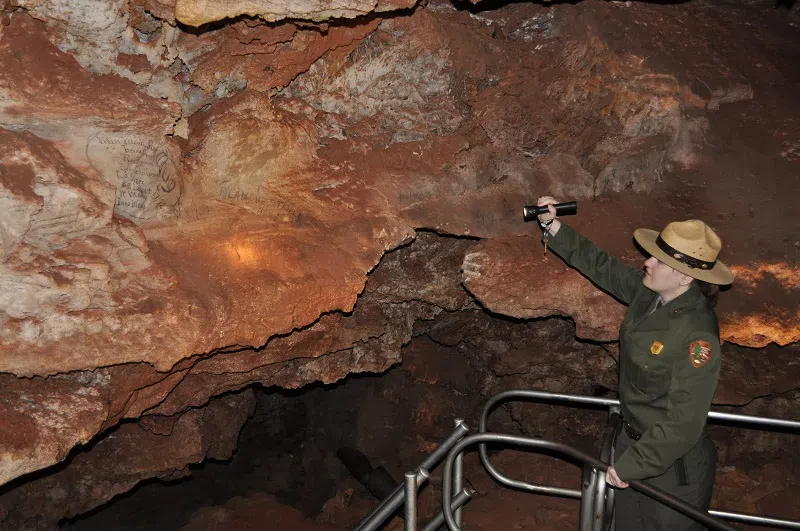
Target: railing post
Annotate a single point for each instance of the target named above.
(589, 481)
(458, 476)
(603, 496)
(411, 502)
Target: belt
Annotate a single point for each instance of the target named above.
(631, 432)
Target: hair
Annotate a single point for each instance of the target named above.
(710, 291)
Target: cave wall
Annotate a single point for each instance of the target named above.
(191, 204)
(287, 456)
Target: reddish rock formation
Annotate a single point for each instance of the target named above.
(185, 212)
(198, 13)
(154, 447)
(251, 513)
(495, 272)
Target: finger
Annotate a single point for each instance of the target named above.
(544, 200)
(616, 481)
(552, 209)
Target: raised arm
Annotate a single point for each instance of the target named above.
(621, 280)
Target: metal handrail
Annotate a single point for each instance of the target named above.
(649, 490)
(597, 401)
(391, 503)
(614, 403)
(598, 500)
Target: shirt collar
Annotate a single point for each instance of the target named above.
(691, 298)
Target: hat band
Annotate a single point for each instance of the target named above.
(694, 263)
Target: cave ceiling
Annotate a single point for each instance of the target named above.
(193, 195)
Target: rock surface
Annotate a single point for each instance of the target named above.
(197, 13)
(251, 513)
(156, 446)
(186, 212)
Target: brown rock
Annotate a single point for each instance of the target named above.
(104, 126)
(251, 514)
(345, 508)
(761, 316)
(369, 340)
(198, 13)
(436, 364)
(563, 176)
(42, 422)
(102, 36)
(50, 89)
(44, 419)
(365, 88)
(511, 277)
(126, 456)
(88, 266)
(265, 57)
(739, 492)
(427, 270)
(751, 373)
(217, 266)
(781, 504)
(163, 9)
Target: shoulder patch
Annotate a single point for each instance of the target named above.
(699, 353)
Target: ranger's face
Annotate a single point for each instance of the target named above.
(661, 278)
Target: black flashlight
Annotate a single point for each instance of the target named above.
(530, 212)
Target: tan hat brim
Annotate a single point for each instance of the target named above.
(719, 274)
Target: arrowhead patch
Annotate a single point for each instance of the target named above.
(656, 347)
(699, 353)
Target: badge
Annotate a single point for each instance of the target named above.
(699, 353)
(656, 347)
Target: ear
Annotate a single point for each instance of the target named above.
(684, 279)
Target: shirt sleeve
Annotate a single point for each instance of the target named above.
(606, 271)
(693, 381)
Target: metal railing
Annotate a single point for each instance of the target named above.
(597, 500)
(563, 449)
(614, 405)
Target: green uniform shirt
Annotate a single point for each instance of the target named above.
(669, 359)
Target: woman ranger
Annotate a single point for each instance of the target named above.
(668, 364)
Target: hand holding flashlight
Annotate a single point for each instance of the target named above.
(531, 212)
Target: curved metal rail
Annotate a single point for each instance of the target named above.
(573, 453)
(541, 395)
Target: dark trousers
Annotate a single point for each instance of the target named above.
(690, 479)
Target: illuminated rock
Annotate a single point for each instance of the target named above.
(196, 13)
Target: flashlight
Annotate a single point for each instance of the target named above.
(530, 212)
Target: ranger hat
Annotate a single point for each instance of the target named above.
(689, 246)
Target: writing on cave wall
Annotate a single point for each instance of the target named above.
(143, 171)
(251, 199)
(250, 195)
